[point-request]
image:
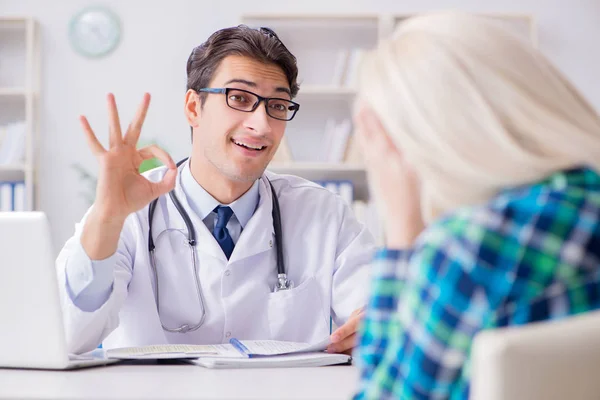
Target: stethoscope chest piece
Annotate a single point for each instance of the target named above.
(283, 283)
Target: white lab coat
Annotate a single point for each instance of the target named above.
(326, 252)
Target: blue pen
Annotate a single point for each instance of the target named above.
(239, 346)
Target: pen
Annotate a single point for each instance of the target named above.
(239, 346)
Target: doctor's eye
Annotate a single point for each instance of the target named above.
(278, 106)
(238, 98)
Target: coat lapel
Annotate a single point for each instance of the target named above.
(259, 235)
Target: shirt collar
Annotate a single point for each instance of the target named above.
(202, 203)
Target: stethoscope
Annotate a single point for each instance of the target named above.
(282, 281)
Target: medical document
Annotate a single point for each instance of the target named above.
(173, 351)
(257, 348)
(234, 349)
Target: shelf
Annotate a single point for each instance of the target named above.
(326, 172)
(309, 166)
(13, 167)
(288, 17)
(14, 19)
(326, 90)
(13, 91)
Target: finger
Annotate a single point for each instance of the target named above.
(166, 184)
(92, 140)
(114, 125)
(135, 128)
(153, 151)
(362, 120)
(377, 133)
(370, 152)
(358, 312)
(347, 344)
(345, 330)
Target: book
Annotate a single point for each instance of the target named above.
(327, 140)
(354, 60)
(353, 153)
(12, 196)
(12, 146)
(6, 196)
(19, 201)
(339, 141)
(339, 69)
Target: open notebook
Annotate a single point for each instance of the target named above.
(239, 354)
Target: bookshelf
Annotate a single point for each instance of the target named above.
(19, 93)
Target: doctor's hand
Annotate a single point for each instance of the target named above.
(344, 339)
(121, 189)
(393, 180)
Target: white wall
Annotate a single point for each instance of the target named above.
(158, 37)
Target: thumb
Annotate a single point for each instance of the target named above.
(166, 184)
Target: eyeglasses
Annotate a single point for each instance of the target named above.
(243, 100)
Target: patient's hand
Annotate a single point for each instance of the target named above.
(344, 339)
(394, 181)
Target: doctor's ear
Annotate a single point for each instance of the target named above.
(193, 107)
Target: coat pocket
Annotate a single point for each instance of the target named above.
(297, 314)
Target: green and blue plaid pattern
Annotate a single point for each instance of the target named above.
(531, 254)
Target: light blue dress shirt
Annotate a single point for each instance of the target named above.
(89, 283)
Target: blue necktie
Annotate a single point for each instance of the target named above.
(221, 233)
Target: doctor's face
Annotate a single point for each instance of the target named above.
(234, 143)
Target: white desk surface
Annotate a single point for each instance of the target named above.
(180, 382)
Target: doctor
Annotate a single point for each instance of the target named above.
(214, 247)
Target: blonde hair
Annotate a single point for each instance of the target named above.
(475, 109)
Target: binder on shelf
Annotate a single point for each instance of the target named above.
(339, 70)
(6, 197)
(335, 140)
(343, 188)
(354, 60)
(328, 137)
(340, 140)
(19, 203)
(12, 143)
(12, 196)
(353, 153)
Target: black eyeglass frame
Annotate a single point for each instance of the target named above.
(294, 107)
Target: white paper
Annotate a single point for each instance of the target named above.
(275, 347)
(174, 351)
(255, 347)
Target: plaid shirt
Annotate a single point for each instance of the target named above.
(531, 254)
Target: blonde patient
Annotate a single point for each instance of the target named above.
(484, 161)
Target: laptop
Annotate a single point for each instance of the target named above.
(32, 334)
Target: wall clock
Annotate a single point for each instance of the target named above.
(94, 32)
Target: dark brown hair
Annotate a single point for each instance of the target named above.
(262, 45)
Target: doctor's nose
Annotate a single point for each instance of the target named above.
(258, 120)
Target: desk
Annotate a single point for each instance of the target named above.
(180, 381)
